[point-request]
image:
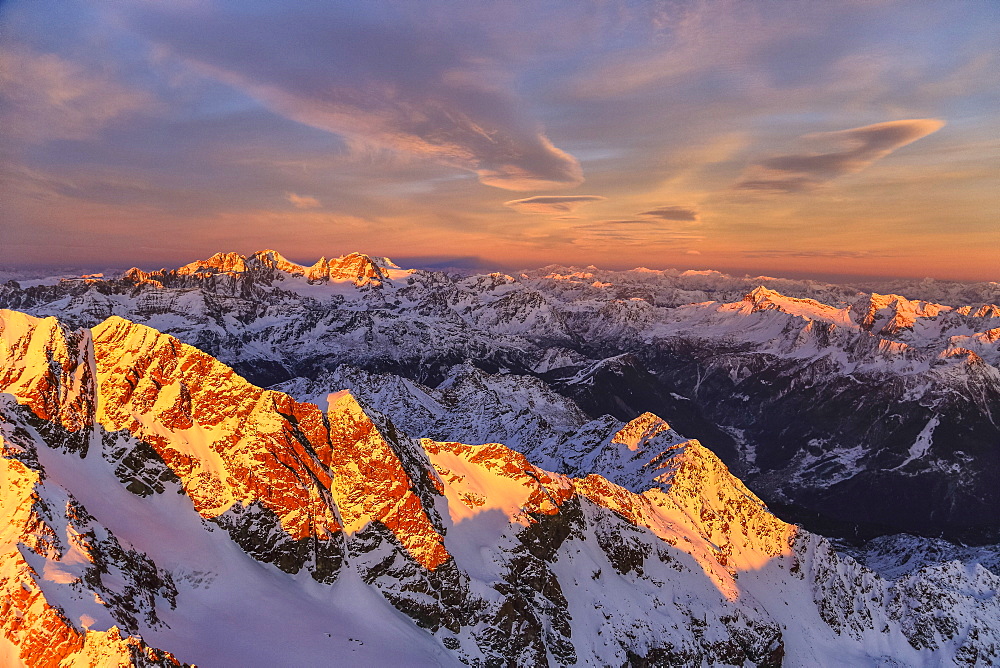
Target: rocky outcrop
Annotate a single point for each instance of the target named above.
(219, 435)
(121, 443)
(61, 572)
(818, 395)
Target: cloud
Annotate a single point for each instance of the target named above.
(303, 201)
(552, 204)
(388, 75)
(630, 232)
(692, 252)
(673, 213)
(602, 224)
(631, 224)
(857, 148)
(826, 254)
(45, 97)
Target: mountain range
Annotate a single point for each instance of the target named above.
(854, 413)
(247, 461)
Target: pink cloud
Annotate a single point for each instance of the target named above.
(303, 201)
(400, 84)
(46, 97)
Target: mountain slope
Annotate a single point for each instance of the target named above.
(151, 490)
(856, 412)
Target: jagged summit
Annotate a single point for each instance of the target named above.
(352, 267)
(761, 294)
(220, 262)
(159, 503)
(783, 384)
(357, 268)
(765, 299)
(891, 314)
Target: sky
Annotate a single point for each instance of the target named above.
(778, 138)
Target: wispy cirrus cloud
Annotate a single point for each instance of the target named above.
(625, 222)
(552, 204)
(855, 150)
(386, 75)
(630, 232)
(637, 226)
(44, 96)
(824, 254)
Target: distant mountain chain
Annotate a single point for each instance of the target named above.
(857, 414)
(246, 461)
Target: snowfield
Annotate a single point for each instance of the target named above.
(450, 470)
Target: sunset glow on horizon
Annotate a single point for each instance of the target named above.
(795, 138)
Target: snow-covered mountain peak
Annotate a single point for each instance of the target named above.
(47, 368)
(981, 311)
(765, 299)
(640, 430)
(761, 294)
(355, 267)
(969, 356)
(272, 259)
(220, 262)
(696, 272)
(266, 265)
(890, 314)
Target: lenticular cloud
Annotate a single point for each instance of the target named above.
(854, 150)
(552, 204)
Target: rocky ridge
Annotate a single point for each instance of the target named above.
(154, 493)
(853, 411)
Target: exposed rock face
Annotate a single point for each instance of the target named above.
(220, 262)
(48, 368)
(124, 452)
(229, 269)
(856, 410)
(219, 435)
(384, 477)
(61, 572)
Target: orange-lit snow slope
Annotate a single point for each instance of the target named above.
(156, 508)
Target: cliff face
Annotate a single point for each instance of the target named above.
(859, 411)
(48, 368)
(153, 498)
(254, 461)
(71, 593)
